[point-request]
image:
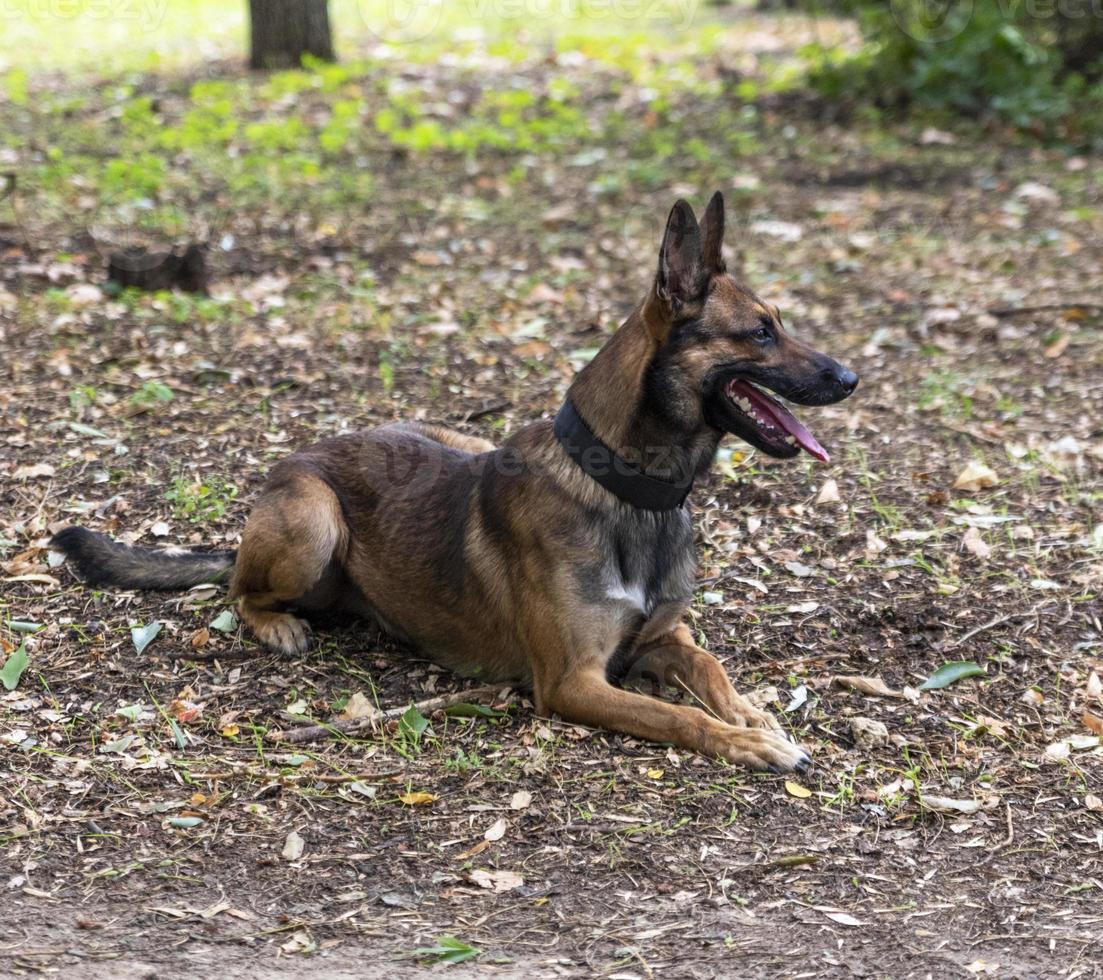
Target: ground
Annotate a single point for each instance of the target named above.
(379, 249)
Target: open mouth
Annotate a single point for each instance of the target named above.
(773, 423)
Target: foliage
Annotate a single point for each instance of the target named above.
(204, 500)
(998, 58)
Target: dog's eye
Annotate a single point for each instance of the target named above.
(762, 334)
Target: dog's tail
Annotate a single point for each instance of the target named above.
(100, 561)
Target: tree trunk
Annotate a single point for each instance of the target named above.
(283, 31)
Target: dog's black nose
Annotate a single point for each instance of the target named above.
(838, 380)
(846, 379)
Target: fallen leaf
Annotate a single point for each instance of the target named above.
(520, 800)
(1058, 347)
(33, 471)
(359, 706)
(874, 545)
(976, 476)
(795, 789)
(654, 773)
(229, 731)
(300, 942)
(873, 686)
(951, 673)
(799, 569)
(224, 622)
(497, 830)
(416, 799)
(184, 711)
(1093, 803)
(829, 493)
(498, 881)
(14, 667)
(972, 542)
(293, 847)
(944, 804)
(844, 919)
(144, 635)
(1060, 750)
(1093, 723)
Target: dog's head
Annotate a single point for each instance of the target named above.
(720, 348)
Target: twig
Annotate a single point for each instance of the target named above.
(346, 726)
(1045, 308)
(991, 623)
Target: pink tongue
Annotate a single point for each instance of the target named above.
(774, 413)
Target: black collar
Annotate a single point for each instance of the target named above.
(613, 472)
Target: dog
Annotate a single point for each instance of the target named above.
(563, 561)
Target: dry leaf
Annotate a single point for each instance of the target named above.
(416, 799)
(795, 789)
(293, 847)
(944, 804)
(473, 850)
(498, 881)
(200, 638)
(1093, 723)
(520, 800)
(975, 544)
(1057, 348)
(874, 545)
(1093, 803)
(497, 830)
(829, 493)
(34, 471)
(1094, 687)
(976, 476)
(844, 919)
(873, 686)
(184, 711)
(358, 706)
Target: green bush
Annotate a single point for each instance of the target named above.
(1004, 59)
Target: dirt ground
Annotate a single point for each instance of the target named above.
(149, 819)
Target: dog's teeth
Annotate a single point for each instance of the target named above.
(791, 440)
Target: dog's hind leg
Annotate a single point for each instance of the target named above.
(294, 537)
(675, 661)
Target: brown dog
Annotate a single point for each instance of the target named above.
(563, 560)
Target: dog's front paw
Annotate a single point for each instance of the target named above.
(763, 750)
(741, 713)
(281, 632)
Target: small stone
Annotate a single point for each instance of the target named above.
(867, 733)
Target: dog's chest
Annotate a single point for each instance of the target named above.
(648, 570)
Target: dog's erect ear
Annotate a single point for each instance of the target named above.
(682, 275)
(712, 235)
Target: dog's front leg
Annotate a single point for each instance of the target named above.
(580, 692)
(675, 661)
